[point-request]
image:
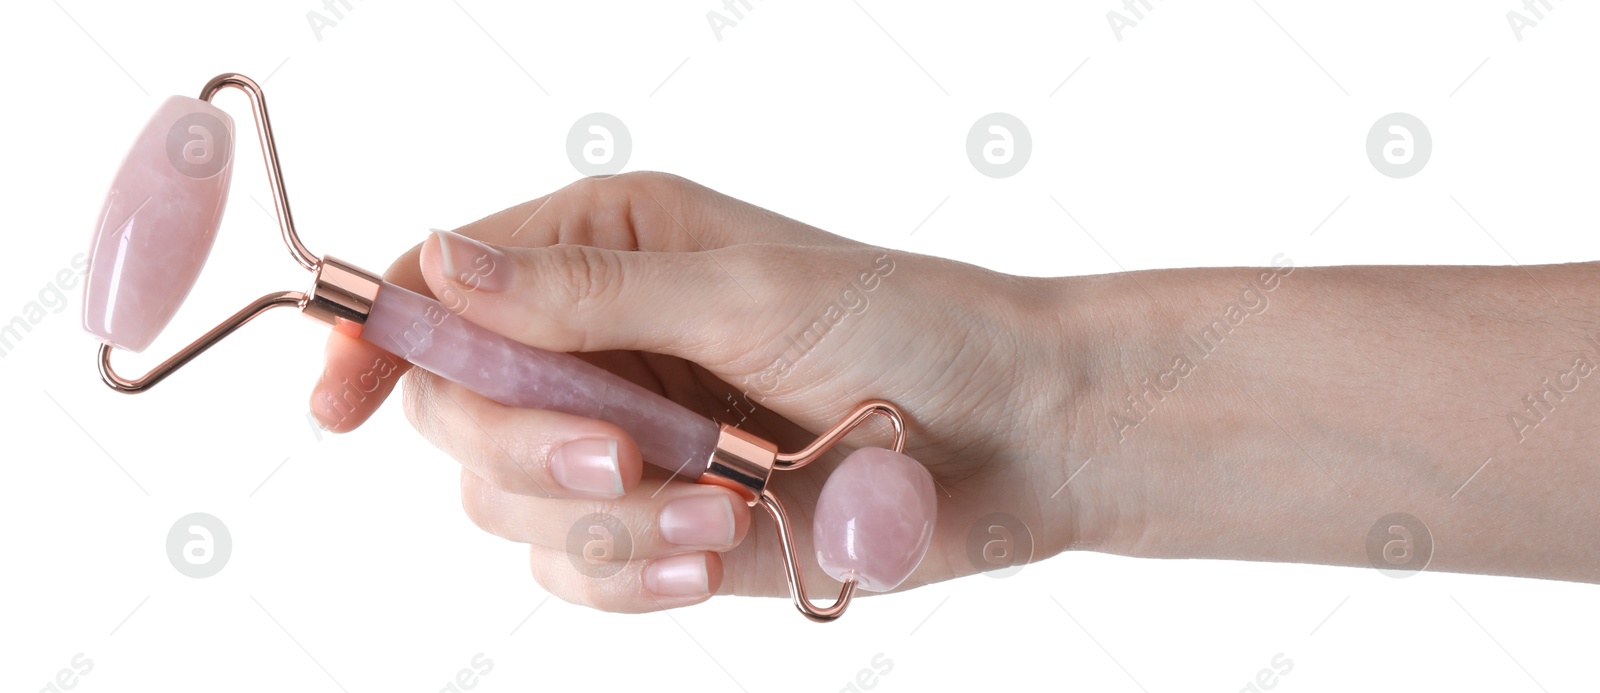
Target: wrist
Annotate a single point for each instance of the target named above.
(1157, 401)
(1086, 329)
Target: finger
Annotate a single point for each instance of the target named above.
(338, 399)
(656, 518)
(642, 211)
(356, 378)
(581, 298)
(523, 451)
(632, 587)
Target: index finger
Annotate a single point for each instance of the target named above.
(637, 211)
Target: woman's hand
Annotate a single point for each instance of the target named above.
(751, 319)
(1205, 413)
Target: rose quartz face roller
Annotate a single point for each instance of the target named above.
(874, 517)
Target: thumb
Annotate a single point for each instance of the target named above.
(582, 298)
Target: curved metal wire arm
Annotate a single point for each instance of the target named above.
(132, 386)
(791, 565)
(269, 154)
(831, 437)
(280, 199)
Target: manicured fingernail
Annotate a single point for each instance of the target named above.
(700, 520)
(684, 575)
(588, 466)
(472, 264)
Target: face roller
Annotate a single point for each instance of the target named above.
(874, 517)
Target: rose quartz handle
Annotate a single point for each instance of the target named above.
(422, 331)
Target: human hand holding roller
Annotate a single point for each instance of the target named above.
(874, 517)
(1055, 403)
(739, 314)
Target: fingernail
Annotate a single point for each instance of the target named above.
(588, 466)
(316, 413)
(472, 264)
(684, 575)
(699, 520)
(324, 409)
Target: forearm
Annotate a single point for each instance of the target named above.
(1236, 414)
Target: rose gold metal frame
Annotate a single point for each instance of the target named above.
(832, 436)
(269, 154)
(341, 295)
(744, 463)
(187, 354)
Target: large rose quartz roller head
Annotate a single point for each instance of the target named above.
(160, 220)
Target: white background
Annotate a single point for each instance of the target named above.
(1208, 135)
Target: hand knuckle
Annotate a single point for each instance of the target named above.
(609, 594)
(585, 277)
(472, 503)
(647, 181)
(516, 475)
(415, 396)
(539, 561)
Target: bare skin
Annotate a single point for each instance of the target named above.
(1278, 429)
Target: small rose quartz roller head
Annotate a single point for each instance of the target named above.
(874, 516)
